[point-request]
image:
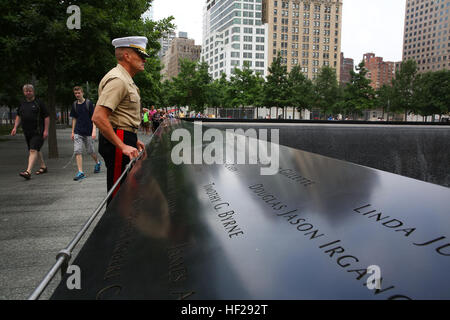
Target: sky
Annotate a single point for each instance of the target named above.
(367, 25)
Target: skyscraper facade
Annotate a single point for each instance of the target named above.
(306, 33)
(427, 34)
(233, 35)
(165, 42)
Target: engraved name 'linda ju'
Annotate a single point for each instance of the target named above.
(368, 211)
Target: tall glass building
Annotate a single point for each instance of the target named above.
(427, 34)
(234, 35)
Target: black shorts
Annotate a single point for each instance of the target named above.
(115, 161)
(34, 140)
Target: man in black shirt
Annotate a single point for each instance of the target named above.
(34, 117)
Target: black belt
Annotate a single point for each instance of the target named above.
(127, 128)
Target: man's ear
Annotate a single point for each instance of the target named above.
(127, 55)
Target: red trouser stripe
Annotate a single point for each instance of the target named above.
(118, 162)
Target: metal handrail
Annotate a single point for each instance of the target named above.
(63, 257)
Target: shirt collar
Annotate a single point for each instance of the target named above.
(125, 73)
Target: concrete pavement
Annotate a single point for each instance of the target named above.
(39, 217)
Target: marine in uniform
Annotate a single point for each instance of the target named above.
(118, 110)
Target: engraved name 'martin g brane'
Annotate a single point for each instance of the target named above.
(224, 212)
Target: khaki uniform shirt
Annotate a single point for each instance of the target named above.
(118, 92)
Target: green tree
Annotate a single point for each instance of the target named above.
(166, 98)
(217, 93)
(384, 98)
(246, 86)
(276, 87)
(403, 88)
(182, 84)
(326, 90)
(36, 32)
(358, 95)
(202, 81)
(191, 86)
(432, 93)
(301, 92)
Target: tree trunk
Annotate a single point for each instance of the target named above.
(51, 94)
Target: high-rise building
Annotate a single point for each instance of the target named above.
(347, 65)
(165, 42)
(182, 34)
(426, 36)
(379, 72)
(306, 33)
(180, 48)
(233, 35)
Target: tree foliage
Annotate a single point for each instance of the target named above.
(432, 93)
(245, 88)
(358, 95)
(36, 42)
(192, 85)
(326, 90)
(403, 88)
(276, 87)
(301, 90)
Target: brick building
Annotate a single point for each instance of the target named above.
(380, 72)
(180, 48)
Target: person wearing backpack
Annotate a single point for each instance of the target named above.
(84, 131)
(34, 118)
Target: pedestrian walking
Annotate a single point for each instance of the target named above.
(84, 131)
(33, 116)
